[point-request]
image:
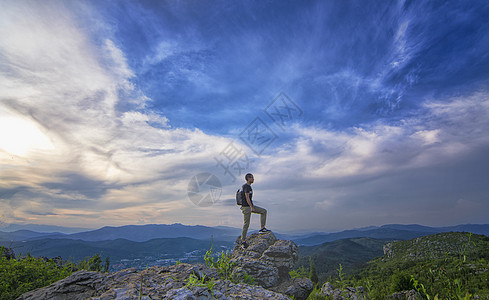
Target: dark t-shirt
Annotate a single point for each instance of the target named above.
(247, 189)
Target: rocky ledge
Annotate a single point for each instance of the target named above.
(267, 260)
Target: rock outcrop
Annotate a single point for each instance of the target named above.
(159, 282)
(269, 261)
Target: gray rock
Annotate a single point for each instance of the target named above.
(406, 295)
(269, 261)
(80, 285)
(264, 273)
(153, 283)
(357, 293)
(300, 288)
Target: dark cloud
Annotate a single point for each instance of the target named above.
(9, 193)
(79, 183)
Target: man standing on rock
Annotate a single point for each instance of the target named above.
(247, 208)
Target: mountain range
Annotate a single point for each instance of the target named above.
(135, 233)
(171, 249)
(143, 245)
(143, 233)
(390, 232)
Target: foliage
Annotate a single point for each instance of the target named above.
(316, 294)
(442, 266)
(248, 279)
(313, 275)
(401, 282)
(195, 281)
(18, 276)
(94, 263)
(225, 267)
(300, 272)
(23, 275)
(351, 253)
(341, 277)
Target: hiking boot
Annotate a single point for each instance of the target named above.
(263, 230)
(244, 244)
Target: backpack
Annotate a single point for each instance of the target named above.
(239, 197)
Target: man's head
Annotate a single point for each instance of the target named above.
(249, 178)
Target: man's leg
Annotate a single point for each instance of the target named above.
(246, 210)
(263, 215)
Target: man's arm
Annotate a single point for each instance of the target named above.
(247, 195)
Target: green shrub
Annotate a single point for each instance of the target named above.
(401, 282)
(18, 276)
(300, 272)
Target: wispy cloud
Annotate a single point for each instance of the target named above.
(382, 169)
(70, 87)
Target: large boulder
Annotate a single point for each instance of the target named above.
(269, 260)
(79, 286)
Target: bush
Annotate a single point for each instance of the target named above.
(18, 276)
(23, 275)
(401, 282)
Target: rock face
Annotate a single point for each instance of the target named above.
(269, 261)
(153, 283)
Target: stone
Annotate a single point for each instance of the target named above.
(299, 288)
(79, 285)
(269, 262)
(159, 282)
(353, 293)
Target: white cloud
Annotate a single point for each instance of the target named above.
(58, 80)
(336, 172)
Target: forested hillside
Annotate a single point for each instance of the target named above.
(451, 265)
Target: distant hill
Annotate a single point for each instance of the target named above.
(439, 246)
(352, 254)
(379, 233)
(117, 250)
(42, 228)
(141, 233)
(391, 232)
(135, 233)
(22, 235)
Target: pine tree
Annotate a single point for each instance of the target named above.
(313, 275)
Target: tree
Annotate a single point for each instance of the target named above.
(313, 275)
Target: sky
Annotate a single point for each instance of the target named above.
(348, 113)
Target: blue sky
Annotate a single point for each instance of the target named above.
(349, 113)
